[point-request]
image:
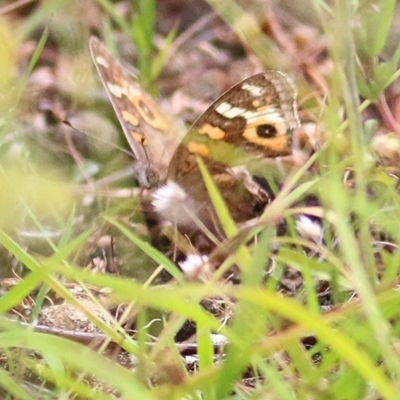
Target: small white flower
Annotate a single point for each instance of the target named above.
(193, 265)
(219, 339)
(168, 196)
(191, 360)
(173, 204)
(309, 229)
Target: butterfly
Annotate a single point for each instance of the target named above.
(253, 120)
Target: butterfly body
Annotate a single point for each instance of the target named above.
(251, 121)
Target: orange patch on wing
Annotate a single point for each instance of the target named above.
(198, 148)
(250, 133)
(212, 132)
(139, 137)
(129, 117)
(279, 145)
(150, 112)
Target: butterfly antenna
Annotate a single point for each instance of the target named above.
(114, 146)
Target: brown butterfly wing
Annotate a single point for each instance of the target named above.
(152, 136)
(252, 120)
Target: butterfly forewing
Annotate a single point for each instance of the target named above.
(152, 136)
